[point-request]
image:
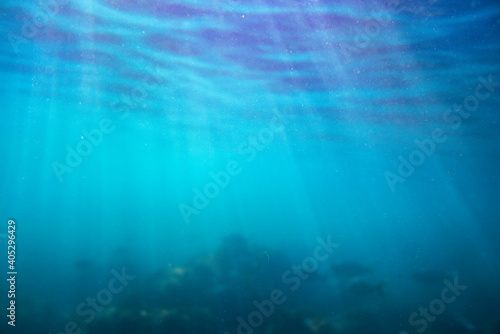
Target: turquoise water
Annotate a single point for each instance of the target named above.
(206, 148)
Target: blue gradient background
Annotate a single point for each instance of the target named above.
(196, 79)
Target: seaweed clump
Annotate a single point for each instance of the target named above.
(208, 295)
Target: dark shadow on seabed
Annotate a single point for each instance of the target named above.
(246, 288)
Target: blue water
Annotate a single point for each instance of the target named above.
(204, 150)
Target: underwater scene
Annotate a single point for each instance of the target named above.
(250, 166)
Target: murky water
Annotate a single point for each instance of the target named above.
(251, 166)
